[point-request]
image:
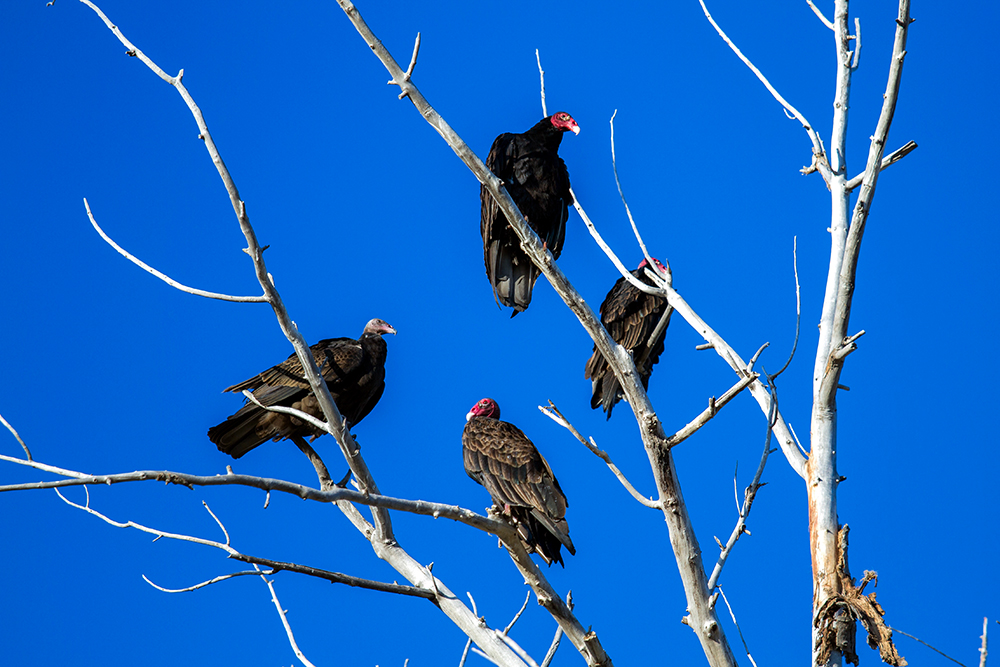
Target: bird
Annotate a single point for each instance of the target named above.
(525, 492)
(354, 371)
(537, 180)
(630, 316)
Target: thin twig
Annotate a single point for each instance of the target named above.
(733, 615)
(334, 577)
(621, 193)
(284, 621)
(322, 473)
(552, 412)
(541, 77)
(27, 452)
(819, 152)
(749, 494)
(224, 531)
(518, 614)
(204, 583)
(927, 645)
(162, 276)
(798, 305)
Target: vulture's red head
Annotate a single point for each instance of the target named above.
(486, 407)
(659, 267)
(378, 326)
(564, 122)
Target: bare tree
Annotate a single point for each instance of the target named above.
(837, 604)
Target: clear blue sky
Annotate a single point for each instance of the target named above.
(369, 214)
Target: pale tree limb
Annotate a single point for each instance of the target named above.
(982, 651)
(541, 77)
(820, 160)
(336, 426)
(213, 580)
(553, 413)
(554, 646)
(798, 318)
(749, 494)
(714, 405)
(785, 439)
(736, 623)
(518, 614)
(379, 533)
(819, 13)
(587, 643)
(162, 276)
(834, 344)
(888, 160)
(27, 452)
(333, 577)
(284, 621)
(621, 193)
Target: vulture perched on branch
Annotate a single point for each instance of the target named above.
(354, 371)
(537, 180)
(501, 458)
(631, 317)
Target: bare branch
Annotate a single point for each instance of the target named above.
(409, 70)
(733, 615)
(552, 412)
(334, 577)
(541, 77)
(284, 621)
(888, 160)
(628, 211)
(518, 614)
(818, 13)
(27, 452)
(165, 278)
(857, 43)
(517, 648)
(982, 651)
(224, 531)
(322, 473)
(819, 162)
(554, 646)
(798, 306)
(713, 409)
(749, 494)
(203, 584)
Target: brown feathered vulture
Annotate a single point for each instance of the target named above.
(537, 180)
(354, 371)
(501, 458)
(630, 316)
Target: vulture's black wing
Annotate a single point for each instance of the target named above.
(501, 458)
(537, 180)
(354, 371)
(630, 316)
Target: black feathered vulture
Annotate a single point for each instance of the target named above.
(537, 180)
(501, 458)
(630, 316)
(354, 371)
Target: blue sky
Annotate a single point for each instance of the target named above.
(369, 214)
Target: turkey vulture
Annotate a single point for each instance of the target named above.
(354, 371)
(630, 316)
(501, 458)
(537, 180)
